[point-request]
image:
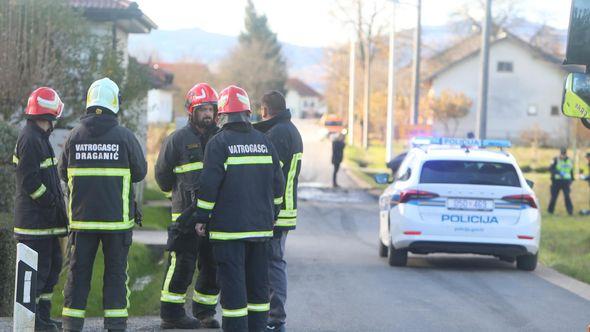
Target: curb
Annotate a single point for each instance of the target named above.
(561, 280)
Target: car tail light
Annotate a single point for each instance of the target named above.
(412, 194)
(522, 199)
(526, 237)
(413, 233)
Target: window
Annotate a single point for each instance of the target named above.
(555, 110)
(505, 67)
(532, 110)
(469, 172)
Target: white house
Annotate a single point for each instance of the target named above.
(302, 99)
(160, 98)
(525, 90)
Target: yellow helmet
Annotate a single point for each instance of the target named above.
(103, 93)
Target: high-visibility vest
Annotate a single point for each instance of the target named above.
(563, 169)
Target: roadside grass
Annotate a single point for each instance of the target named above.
(152, 193)
(565, 240)
(156, 217)
(146, 273)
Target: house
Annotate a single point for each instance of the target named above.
(302, 99)
(525, 90)
(160, 98)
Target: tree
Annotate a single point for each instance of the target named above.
(256, 63)
(47, 43)
(449, 107)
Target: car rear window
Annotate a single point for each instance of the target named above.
(469, 172)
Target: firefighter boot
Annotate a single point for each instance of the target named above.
(183, 323)
(209, 322)
(44, 312)
(43, 326)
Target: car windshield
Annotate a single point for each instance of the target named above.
(469, 172)
(333, 123)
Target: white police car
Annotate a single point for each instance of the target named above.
(458, 196)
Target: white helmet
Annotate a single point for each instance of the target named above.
(104, 93)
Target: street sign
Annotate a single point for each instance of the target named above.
(25, 288)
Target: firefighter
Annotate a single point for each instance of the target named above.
(562, 175)
(178, 168)
(40, 216)
(100, 161)
(287, 141)
(239, 198)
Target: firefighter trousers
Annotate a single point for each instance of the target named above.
(48, 267)
(115, 291)
(242, 274)
(179, 275)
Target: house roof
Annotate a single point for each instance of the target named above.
(125, 13)
(160, 78)
(301, 88)
(471, 47)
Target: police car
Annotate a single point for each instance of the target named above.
(459, 196)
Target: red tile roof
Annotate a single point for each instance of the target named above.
(301, 88)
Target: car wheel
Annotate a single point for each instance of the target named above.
(382, 249)
(397, 257)
(526, 262)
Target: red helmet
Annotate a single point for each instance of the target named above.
(44, 103)
(233, 99)
(198, 95)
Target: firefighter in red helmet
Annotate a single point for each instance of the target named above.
(239, 199)
(178, 170)
(40, 217)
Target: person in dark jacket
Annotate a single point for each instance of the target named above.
(337, 156)
(287, 141)
(100, 161)
(40, 216)
(562, 175)
(240, 196)
(178, 169)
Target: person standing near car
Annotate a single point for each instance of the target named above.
(100, 162)
(287, 141)
(177, 170)
(562, 175)
(39, 213)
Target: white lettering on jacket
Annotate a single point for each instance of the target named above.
(96, 151)
(248, 148)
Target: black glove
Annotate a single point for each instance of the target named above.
(138, 218)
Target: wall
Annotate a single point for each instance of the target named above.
(533, 81)
(160, 106)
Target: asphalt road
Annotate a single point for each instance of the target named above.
(337, 282)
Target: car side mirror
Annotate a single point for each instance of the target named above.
(530, 183)
(382, 178)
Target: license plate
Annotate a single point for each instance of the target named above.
(470, 204)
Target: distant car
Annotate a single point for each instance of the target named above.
(451, 197)
(332, 124)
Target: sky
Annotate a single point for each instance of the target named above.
(318, 23)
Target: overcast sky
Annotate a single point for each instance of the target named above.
(313, 22)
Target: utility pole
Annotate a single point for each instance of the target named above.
(351, 72)
(367, 93)
(482, 108)
(416, 79)
(391, 91)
